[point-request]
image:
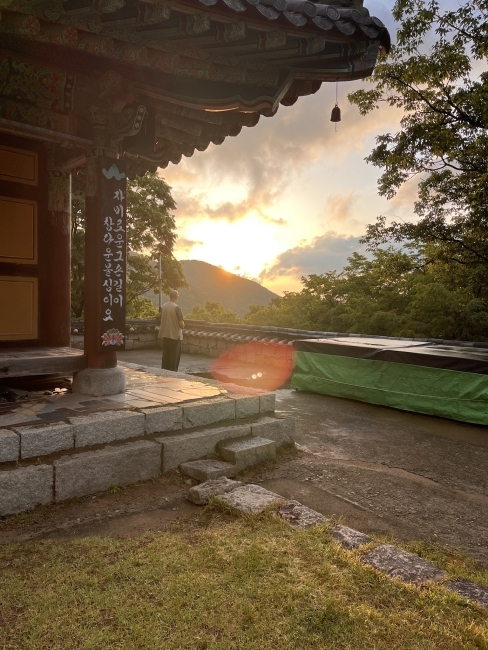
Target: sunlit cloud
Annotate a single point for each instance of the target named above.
(197, 207)
(184, 245)
(339, 208)
(253, 172)
(326, 253)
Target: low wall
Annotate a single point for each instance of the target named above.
(251, 343)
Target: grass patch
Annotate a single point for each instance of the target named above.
(456, 563)
(235, 583)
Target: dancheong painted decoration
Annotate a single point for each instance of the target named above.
(157, 80)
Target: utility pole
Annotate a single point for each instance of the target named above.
(160, 285)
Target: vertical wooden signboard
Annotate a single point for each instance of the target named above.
(112, 189)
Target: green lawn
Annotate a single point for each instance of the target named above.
(243, 583)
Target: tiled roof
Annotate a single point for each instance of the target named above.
(168, 65)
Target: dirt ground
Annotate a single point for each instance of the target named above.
(381, 471)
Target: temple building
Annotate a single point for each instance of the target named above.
(93, 91)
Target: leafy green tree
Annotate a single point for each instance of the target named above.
(397, 293)
(213, 312)
(151, 231)
(141, 308)
(442, 90)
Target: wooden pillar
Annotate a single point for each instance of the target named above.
(105, 261)
(56, 295)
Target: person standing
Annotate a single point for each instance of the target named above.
(171, 332)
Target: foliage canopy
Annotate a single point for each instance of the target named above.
(213, 311)
(393, 294)
(442, 89)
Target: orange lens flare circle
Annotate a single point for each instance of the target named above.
(265, 366)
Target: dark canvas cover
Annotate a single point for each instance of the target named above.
(424, 378)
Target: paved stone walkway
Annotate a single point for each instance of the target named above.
(143, 390)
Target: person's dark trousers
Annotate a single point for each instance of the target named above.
(171, 354)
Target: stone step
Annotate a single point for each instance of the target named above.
(123, 455)
(184, 446)
(208, 469)
(248, 451)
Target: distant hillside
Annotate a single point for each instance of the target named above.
(208, 282)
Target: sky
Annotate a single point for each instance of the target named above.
(290, 196)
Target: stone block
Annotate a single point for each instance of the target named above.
(200, 494)
(93, 471)
(99, 381)
(267, 402)
(349, 538)
(299, 516)
(470, 591)
(402, 565)
(107, 426)
(208, 411)
(164, 418)
(24, 488)
(248, 452)
(196, 444)
(208, 469)
(41, 441)
(9, 446)
(129, 344)
(247, 406)
(281, 430)
(250, 498)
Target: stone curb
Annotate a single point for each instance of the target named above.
(389, 559)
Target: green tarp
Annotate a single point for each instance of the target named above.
(447, 393)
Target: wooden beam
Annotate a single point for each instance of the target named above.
(38, 133)
(40, 361)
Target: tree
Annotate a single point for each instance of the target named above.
(394, 294)
(443, 140)
(151, 230)
(213, 312)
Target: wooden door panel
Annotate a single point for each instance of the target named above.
(19, 269)
(18, 228)
(19, 303)
(18, 165)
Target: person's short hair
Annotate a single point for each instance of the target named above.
(173, 294)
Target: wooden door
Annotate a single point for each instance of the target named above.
(19, 207)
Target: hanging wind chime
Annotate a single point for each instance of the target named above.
(336, 111)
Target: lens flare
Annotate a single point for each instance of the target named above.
(255, 365)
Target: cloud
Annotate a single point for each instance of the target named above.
(338, 208)
(196, 207)
(252, 172)
(186, 245)
(329, 252)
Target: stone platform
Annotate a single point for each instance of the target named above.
(61, 446)
(144, 389)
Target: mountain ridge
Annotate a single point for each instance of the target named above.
(209, 282)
